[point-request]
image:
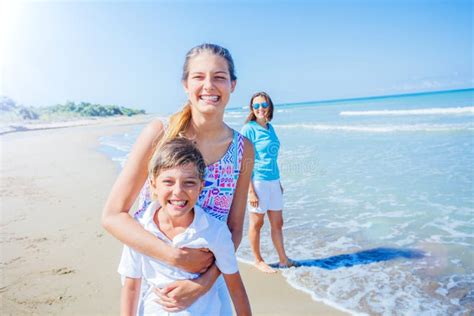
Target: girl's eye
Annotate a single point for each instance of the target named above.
(190, 183)
(167, 182)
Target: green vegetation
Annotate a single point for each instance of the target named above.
(89, 109)
(11, 111)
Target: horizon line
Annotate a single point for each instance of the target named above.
(364, 98)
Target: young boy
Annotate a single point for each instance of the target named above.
(176, 177)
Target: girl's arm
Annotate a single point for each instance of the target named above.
(121, 225)
(237, 209)
(129, 297)
(173, 298)
(238, 294)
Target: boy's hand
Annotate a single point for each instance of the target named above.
(193, 260)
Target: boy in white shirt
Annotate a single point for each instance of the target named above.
(176, 178)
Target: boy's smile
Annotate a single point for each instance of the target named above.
(177, 190)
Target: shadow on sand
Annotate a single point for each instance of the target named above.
(357, 258)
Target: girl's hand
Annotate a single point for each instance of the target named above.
(193, 260)
(253, 199)
(180, 294)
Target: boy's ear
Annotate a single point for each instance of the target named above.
(153, 182)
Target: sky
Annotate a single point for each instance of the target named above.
(131, 53)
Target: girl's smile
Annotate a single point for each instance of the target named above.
(208, 85)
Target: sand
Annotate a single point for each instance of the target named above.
(55, 257)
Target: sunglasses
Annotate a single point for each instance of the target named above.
(256, 106)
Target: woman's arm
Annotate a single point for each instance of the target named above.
(129, 297)
(121, 225)
(239, 202)
(238, 294)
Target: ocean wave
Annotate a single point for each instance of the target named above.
(431, 111)
(381, 128)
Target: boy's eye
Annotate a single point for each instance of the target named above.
(190, 183)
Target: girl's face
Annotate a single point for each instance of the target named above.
(261, 112)
(208, 85)
(177, 189)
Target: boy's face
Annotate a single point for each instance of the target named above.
(177, 189)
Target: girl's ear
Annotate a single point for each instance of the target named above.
(185, 85)
(232, 85)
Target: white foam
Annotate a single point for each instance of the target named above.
(431, 111)
(381, 128)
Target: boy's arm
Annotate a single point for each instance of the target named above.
(129, 297)
(238, 294)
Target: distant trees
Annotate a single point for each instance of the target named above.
(89, 109)
(83, 109)
(7, 105)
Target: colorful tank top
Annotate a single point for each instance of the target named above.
(220, 180)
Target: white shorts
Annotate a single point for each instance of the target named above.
(269, 195)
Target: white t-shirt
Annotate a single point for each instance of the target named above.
(204, 232)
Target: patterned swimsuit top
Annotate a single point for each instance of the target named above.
(220, 180)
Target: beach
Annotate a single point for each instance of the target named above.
(56, 259)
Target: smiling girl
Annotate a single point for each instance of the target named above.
(208, 80)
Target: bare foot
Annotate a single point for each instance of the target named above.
(262, 266)
(287, 264)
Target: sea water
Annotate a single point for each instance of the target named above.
(379, 201)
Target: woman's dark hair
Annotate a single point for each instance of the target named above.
(252, 116)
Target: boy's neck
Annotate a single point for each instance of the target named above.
(172, 226)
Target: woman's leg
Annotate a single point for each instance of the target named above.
(255, 226)
(276, 224)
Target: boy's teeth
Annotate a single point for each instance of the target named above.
(178, 203)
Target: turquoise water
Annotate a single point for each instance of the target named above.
(379, 201)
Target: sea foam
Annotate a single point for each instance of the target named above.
(381, 128)
(431, 111)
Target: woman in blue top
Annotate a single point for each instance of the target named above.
(265, 190)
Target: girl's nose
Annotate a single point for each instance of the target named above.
(208, 84)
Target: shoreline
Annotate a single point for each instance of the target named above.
(29, 126)
(56, 258)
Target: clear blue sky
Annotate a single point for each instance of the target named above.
(131, 52)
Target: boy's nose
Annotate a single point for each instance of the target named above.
(178, 188)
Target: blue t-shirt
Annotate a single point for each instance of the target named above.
(267, 145)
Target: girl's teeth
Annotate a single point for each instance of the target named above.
(209, 97)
